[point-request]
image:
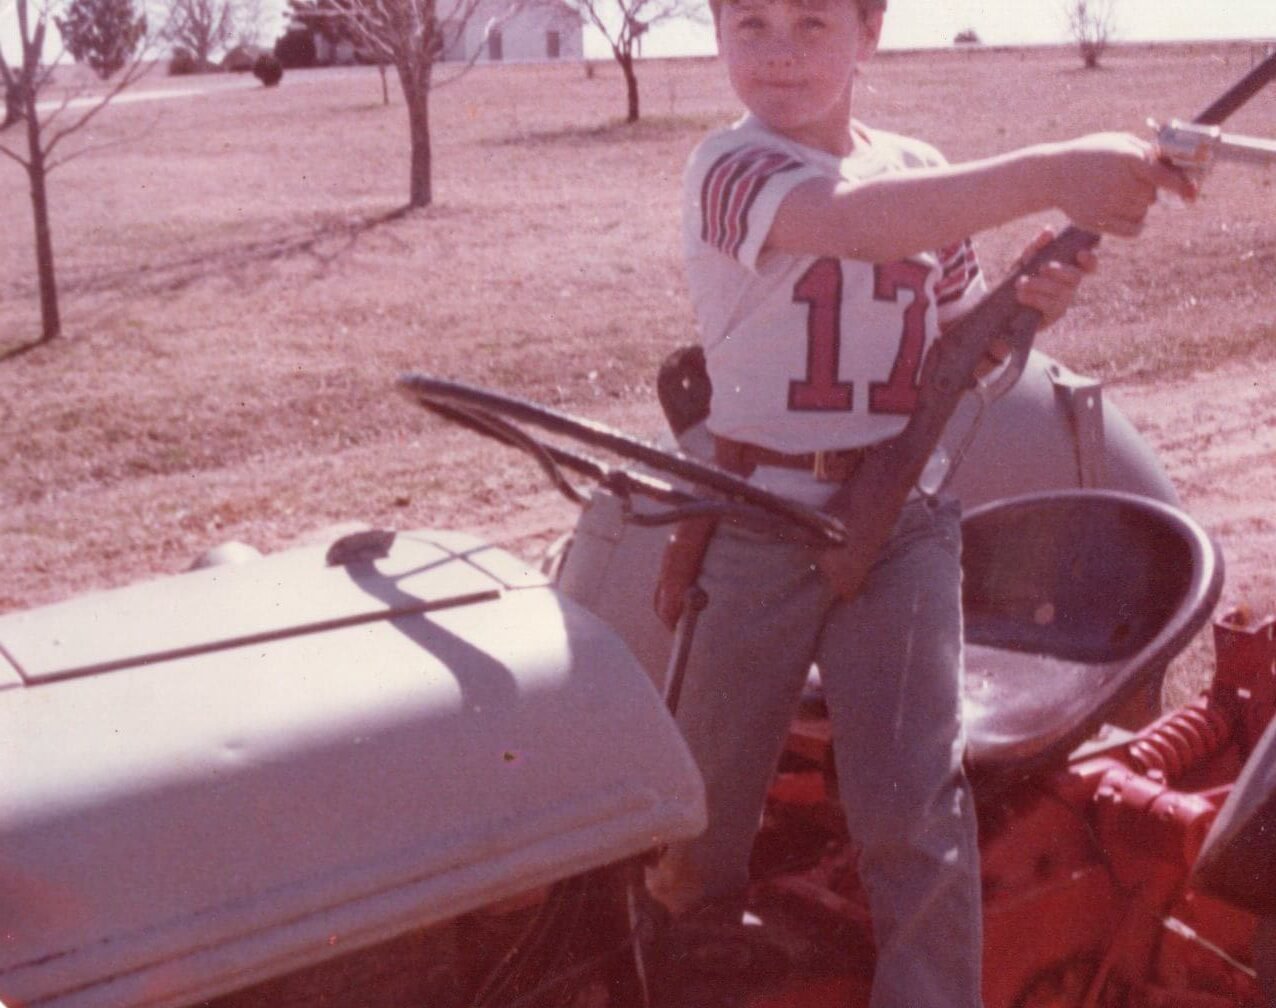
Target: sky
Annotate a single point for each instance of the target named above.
(922, 23)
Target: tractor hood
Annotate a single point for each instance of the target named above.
(225, 775)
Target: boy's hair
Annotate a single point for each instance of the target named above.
(866, 7)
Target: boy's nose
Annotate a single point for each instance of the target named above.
(781, 53)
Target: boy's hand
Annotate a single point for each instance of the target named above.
(1052, 289)
(1107, 181)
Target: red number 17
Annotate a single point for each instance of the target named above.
(820, 288)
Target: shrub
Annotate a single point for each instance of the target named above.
(182, 63)
(268, 69)
(295, 48)
(967, 36)
(241, 59)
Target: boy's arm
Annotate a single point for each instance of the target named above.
(1104, 183)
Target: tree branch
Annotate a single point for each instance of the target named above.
(127, 80)
(4, 149)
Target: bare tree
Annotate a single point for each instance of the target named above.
(623, 23)
(201, 27)
(412, 35)
(1091, 23)
(47, 134)
(250, 22)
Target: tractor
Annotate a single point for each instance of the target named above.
(407, 767)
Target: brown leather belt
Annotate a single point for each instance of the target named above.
(742, 458)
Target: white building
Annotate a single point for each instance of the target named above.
(535, 32)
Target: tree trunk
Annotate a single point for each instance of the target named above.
(626, 61)
(420, 192)
(50, 319)
(416, 94)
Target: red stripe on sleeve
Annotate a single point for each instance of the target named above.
(958, 269)
(731, 187)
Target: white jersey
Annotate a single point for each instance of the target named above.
(808, 353)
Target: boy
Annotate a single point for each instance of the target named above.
(823, 259)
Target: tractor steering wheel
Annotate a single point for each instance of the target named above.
(715, 491)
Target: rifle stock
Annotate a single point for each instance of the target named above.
(869, 503)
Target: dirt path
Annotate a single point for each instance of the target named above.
(1215, 432)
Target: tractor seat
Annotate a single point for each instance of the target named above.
(1072, 601)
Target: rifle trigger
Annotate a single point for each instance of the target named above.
(1022, 329)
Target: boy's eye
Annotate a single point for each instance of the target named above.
(812, 23)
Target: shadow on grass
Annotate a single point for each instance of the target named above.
(654, 129)
(325, 242)
(22, 348)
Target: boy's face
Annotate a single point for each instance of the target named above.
(792, 63)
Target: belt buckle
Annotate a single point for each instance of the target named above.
(822, 466)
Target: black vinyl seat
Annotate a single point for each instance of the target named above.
(1072, 601)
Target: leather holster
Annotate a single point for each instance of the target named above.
(680, 565)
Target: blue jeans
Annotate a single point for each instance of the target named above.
(891, 665)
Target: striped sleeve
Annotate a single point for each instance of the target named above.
(729, 196)
(961, 283)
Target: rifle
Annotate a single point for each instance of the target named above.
(869, 503)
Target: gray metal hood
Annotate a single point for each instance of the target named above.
(224, 775)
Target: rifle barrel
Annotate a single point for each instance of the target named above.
(1239, 93)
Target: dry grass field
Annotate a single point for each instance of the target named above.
(239, 294)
